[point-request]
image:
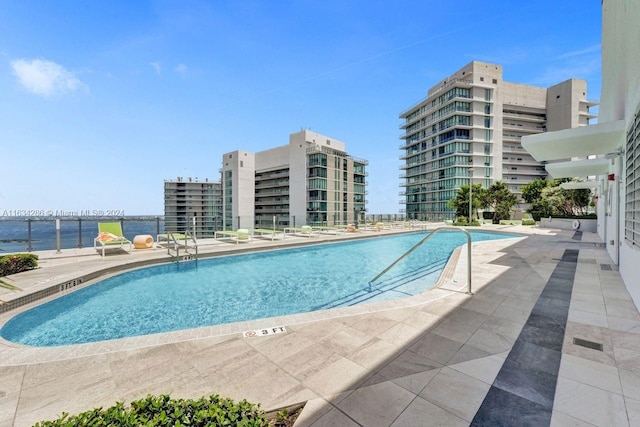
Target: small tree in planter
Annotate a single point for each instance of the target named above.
(500, 200)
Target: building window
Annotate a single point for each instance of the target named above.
(487, 94)
(632, 200)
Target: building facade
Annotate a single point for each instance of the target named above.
(469, 128)
(310, 181)
(189, 202)
(609, 150)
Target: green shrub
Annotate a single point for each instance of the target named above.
(16, 263)
(164, 411)
(473, 223)
(528, 222)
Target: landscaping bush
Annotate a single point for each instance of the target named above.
(16, 263)
(528, 222)
(462, 221)
(164, 411)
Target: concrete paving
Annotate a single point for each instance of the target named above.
(439, 358)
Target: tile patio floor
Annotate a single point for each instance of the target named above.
(441, 358)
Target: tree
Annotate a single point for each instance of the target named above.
(566, 202)
(461, 202)
(501, 200)
(540, 209)
(532, 192)
(548, 198)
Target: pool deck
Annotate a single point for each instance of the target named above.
(504, 356)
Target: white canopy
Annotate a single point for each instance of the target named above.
(578, 185)
(601, 138)
(575, 168)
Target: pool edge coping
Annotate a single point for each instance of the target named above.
(35, 354)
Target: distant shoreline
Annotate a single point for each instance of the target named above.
(84, 218)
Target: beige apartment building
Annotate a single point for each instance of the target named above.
(469, 128)
(189, 202)
(310, 181)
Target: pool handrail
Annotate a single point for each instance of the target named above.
(433, 232)
(175, 239)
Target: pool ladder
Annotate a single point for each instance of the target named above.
(185, 243)
(421, 242)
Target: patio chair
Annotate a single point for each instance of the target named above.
(110, 235)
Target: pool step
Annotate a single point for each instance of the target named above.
(390, 285)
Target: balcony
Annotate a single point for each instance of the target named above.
(271, 175)
(523, 128)
(278, 191)
(272, 184)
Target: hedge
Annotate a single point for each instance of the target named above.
(17, 263)
(164, 411)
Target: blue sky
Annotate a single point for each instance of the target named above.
(103, 101)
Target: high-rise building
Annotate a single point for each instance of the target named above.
(189, 202)
(469, 128)
(312, 180)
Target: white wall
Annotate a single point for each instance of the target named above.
(619, 101)
(242, 166)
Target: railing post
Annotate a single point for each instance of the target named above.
(29, 247)
(57, 235)
(157, 225)
(80, 233)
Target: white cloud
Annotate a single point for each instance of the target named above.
(46, 78)
(561, 72)
(588, 50)
(156, 67)
(181, 69)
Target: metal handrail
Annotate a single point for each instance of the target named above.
(423, 241)
(176, 245)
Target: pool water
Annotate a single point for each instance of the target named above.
(238, 288)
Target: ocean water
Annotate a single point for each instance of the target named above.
(14, 233)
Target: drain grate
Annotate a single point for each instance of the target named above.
(588, 344)
(606, 267)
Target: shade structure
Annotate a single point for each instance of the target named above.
(584, 141)
(578, 185)
(590, 167)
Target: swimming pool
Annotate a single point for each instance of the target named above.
(236, 288)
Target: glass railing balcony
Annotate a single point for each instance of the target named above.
(20, 234)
